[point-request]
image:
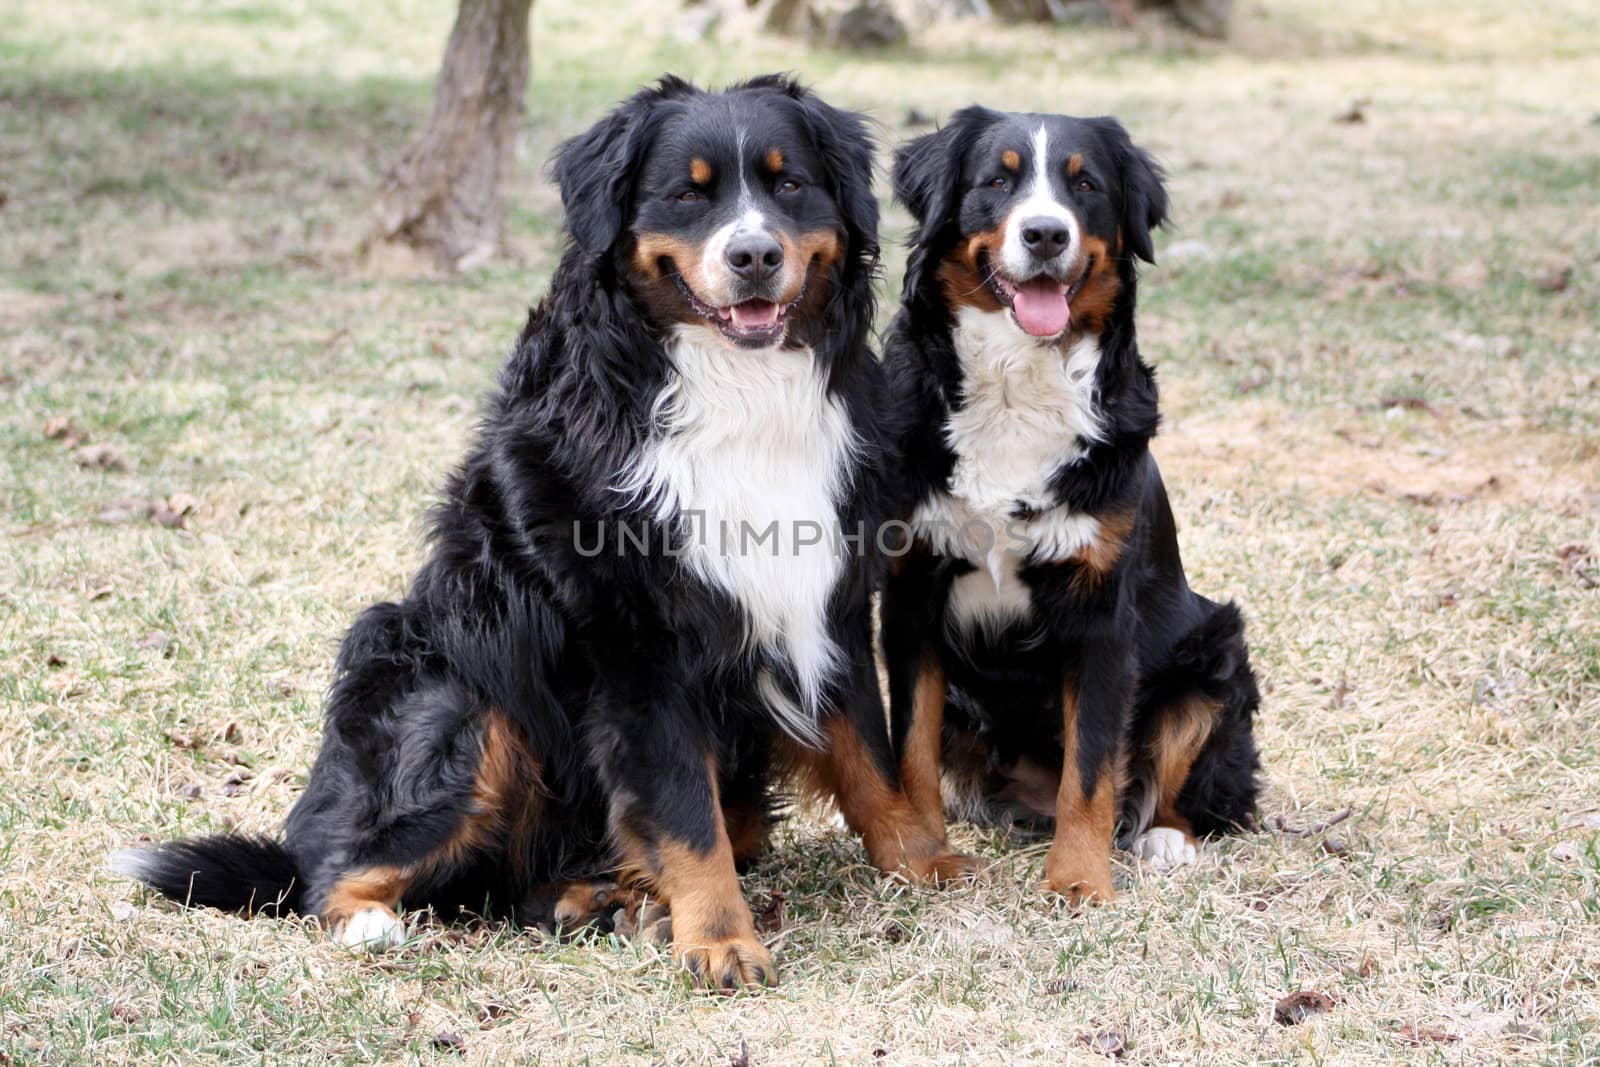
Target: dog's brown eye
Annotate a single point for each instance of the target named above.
(688, 197)
(999, 183)
(1085, 185)
(789, 185)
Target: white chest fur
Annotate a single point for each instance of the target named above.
(754, 453)
(1027, 410)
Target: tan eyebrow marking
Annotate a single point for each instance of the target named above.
(774, 159)
(699, 171)
(1011, 159)
(1075, 164)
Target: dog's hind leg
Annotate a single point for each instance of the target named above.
(1195, 760)
(449, 785)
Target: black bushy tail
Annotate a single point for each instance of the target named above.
(230, 872)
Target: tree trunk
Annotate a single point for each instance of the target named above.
(445, 197)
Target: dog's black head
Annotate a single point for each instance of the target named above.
(1036, 214)
(743, 212)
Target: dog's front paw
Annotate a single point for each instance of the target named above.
(1165, 848)
(727, 964)
(1078, 880)
(942, 867)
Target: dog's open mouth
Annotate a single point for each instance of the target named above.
(754, 323)
(1042, 305)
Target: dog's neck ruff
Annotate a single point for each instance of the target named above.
(750, 455)
(1027, 410)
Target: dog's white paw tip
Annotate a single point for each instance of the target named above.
(1164, 848)
(374, 930)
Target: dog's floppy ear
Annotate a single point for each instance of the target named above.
(596, 170)
(844, 143)
(1144, 196)
(927, 180)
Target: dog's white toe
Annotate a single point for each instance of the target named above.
(373, 929)
(1164, 848)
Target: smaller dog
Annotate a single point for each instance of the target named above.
(1042, 641)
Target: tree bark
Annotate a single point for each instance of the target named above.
(445, 197)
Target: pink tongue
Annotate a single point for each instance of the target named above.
(754, 314)
(1041, 307)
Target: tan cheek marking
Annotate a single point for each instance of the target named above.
(963, 285)
(824, 246)
(1099, 294)
(774, 159)
(1010, 159)
(699, 171)
(651, 248)
(1075, 164)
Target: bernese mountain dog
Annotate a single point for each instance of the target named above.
(1046, 656)
(647, 593)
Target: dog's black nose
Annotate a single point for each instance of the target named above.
(1045, 237)
(755, 257)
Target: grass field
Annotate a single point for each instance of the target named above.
(1381, 365)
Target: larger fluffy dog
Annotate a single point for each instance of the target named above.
(1043, 644)
(640, 598)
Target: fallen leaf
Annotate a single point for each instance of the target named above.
(447, 1041)
(1554, 280)
(1107, 1043)
(1419, 1037)
(743, 1058)
(1355, 113)
(53, 660)
(770, 919)
(1567, 852)
(122, 911)
(104, 457)
(234, 784)
(1296, 1008)
(125, 1013)
(488, 1012)
(191, 791)
(57, 426)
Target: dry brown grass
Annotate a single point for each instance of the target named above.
(1381, 438)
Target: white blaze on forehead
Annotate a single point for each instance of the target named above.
(744, 179)
(1040, 202)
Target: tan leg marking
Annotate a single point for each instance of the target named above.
(713, 933)
(896, 837)
(507, 795)
(1078, 865)
(919, 762)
